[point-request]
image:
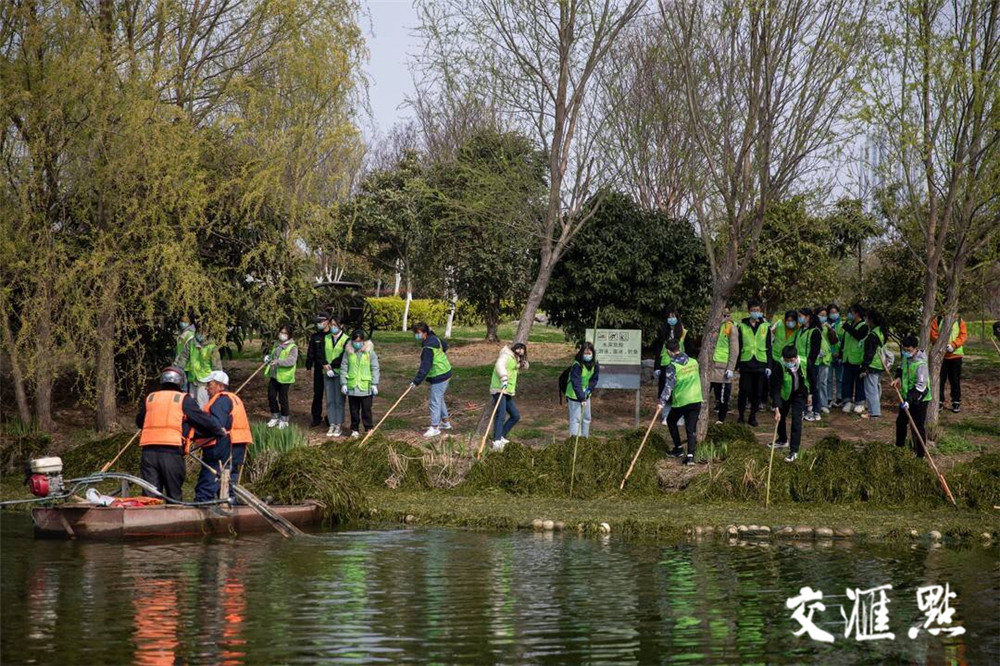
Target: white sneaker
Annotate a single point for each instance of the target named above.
(498, 445)
(445, 426)
(432, 432)
(332, 432)
(504, 441)
(337, 432)
(663, 421)
(680, 422)
(791, 457)
(825, 410)
(355, 434)
(817, 417)
(282, 425)
(848, 407)
(272, 423)
(859, 408)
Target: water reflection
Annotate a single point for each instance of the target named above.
(449, 596)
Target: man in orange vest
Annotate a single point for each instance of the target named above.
(169, 419)
(228, 410)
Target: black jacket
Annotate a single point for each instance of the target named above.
(316, 354)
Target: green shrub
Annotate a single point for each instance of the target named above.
(389, 312)
(278, 440)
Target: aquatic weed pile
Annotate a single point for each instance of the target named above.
(977, 483)
(310, 473)
(730, 432)
(381, 463)
(90, 457)
(600, 466)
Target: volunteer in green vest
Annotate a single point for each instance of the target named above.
(333, 349)
(792, 395)
(436, 369)
(204, 358)
(754, 361)
(359, 375)
(809, 344)
(855, 331)
(281, 375)
(835, 334)
(724, 365)
(583, 377)
(872, 364)
(681, 399)
(913, 380)
(673, 329)
(503, 388)
(185, 333)
(951, 367)
(824, 362)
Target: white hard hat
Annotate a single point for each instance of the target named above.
(217, 376)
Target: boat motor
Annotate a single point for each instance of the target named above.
(45, 476)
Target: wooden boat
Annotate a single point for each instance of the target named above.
(87, 521)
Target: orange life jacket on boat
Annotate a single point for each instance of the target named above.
(239, 433)
(163, 424)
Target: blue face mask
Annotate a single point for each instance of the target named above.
(334, 330)
(588, 357)
(357, 344)
(802, 321)
(416, 336)
(907, 354)
(850, 316)
(790, 323)
(672, 321)
(756, 314)
(834, 316)
(791, 365)
(822, 319)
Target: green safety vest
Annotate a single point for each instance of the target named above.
(826, 356)
(909, 377)
(183, 340)
(754, 342)
(495, 382)
(359, 371)
(585, 375)
(199, 361)
(877, 359)
(854, 349)
(959, 351)
(334, 350)
(284, 375)
(803, 344)
(440, 365)
(687, 388)
(782, 339)
(665, 355)
(786, 381)
(722, 349)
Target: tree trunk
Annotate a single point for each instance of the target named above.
(451, 320)
(23, 411)
(378, 289)
(399, 280)
(107, 403)
(44, 367)
(406, 307)
(492, 321)
(545, 268)
(720, 296)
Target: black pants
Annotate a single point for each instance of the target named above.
(751, 387)
(721, 391)
(690, 414)
(797, 409)
(951, 371)
(918, 410)
(163, 466)
(361, 411)
(277, 393)
(317, 403)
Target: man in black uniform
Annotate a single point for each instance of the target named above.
(315, 360)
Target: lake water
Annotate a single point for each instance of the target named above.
(448, 596)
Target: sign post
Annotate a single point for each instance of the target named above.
(619, 352)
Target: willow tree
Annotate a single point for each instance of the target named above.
(935, 109)
(764, 85)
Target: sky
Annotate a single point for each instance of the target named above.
(389, 27)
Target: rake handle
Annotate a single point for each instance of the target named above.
(649, 429)
(774, 441)
(386, 415)
(489, 424)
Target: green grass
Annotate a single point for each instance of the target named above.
(952, 442)
(969, 427)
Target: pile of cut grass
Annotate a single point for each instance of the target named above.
(977, 483)
(600, 466)
(310, 474)
(381, 463)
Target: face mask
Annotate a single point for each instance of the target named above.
(283, 337)
(802, 321)
(756, 314)
(822, 319)
(357, 344)
(834, 316)
(672, 321)
(200, 339)
(335, 330)
(588, 357)
(319, 327)
(184, 326)
(907, 354)
(416, 336)
(790, 323)
(850, 316)
(792, 365)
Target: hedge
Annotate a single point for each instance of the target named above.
(389, 312)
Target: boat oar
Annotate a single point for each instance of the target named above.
(489, 425)
(770, 462)
(386, 415)
(656, 414)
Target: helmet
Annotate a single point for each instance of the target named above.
(172, 375)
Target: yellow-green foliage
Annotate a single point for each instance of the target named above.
(389, 312)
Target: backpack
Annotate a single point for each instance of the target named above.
(564, 382)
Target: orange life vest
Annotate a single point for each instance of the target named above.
(164, 421)
(240, 433)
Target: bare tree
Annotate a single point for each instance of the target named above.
(765, 83)
(935, 107)
(535, 60)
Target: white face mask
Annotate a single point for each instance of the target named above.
(283, 337)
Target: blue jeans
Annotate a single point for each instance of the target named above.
(873, 393)
(439, 410)
(508, 411)
(821, 394)
(852, 389)
(334, 400)
(574, 418)
(833, 380)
